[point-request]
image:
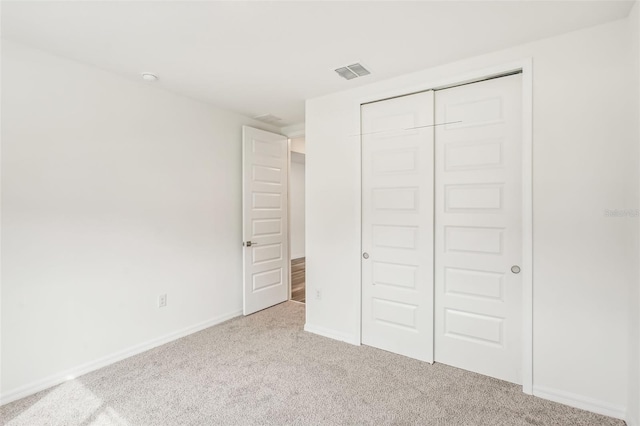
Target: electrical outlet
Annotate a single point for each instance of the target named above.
(162, 301)
(318, 294)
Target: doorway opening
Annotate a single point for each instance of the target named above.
(297, 219)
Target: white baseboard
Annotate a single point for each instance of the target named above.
(332, 334)
(63, 376)
(579, 401)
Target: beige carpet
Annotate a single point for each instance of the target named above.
(264, 369)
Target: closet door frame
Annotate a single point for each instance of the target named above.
(524, 66)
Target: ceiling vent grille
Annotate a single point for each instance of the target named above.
(268, 118)
(346, 73)
(352, 71)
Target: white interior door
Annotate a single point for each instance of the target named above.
(397, 225)
(478, 228)
(264, 210)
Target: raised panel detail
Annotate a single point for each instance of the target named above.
(395, 161)
(266, 200)
(473, 197)
(395, 199)
(473, 239)
(395, 274)
(266, 227)
(403, 237)
(468, 282)
(393, 126)
(394, 313)
(268, 149)
(475, 113)
(267, 279)
(267, 253)
(265, 174)
(473, 155)
(476, 327)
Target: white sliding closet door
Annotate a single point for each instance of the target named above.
(397, 225)
(478, 228)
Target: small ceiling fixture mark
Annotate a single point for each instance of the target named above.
(268, 118)
(352, 71)
(147, 76)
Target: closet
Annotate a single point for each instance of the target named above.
(442, 226)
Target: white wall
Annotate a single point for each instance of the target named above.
(585, 160)
(113, 192)
(296, 197)
(297, 145)
(633, 409)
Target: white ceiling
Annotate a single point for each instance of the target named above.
(268, 57)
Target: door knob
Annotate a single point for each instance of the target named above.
(365, 255)
(515, 269)
(249, 244)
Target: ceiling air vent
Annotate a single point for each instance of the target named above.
(346, 73)
(352, 71)
(269, 119)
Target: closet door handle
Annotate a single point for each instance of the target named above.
(365, 255)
